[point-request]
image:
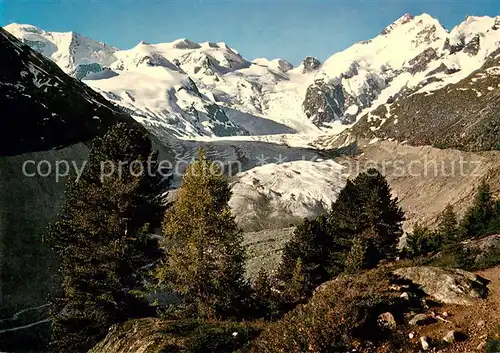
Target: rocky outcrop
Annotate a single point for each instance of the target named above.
(151, 335)
(283, 65)
(139, 336)
(443, 69)
(455, 47)
(472, 47)
(447, 286)
(465, 115)
(83, 70)
(325, 103)
(42, 107)
(420, 62)
(310, 63)
(484, 244)
(221, 125)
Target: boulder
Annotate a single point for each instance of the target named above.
(421, 319)
(454, 336)
(446, 286)
(424, 341)
(144, 335)
(387, 321)
(483, 245)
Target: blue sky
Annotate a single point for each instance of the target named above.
(290, 29)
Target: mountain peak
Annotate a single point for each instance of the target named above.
(311, 63)
(399, 22)
(184, 43)
(423, 20)
(19, 27)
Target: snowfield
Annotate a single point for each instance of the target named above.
(274, 195)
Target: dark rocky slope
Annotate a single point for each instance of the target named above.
(46, 116)
(465, 115)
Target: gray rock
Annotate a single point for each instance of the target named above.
(311, 63)
(454, 336)
(450, 337)
(424, 341)
(420, 62)
(386, 320)
(325, 102)
(420, 319)
(472, 47)
(447, 286)
(484, 247)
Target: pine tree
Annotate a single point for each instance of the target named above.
(366, 208)
(263, 294)
(357, 258)
(312, 244)
(204, 257)
(262, 285)
(422, 241)
(101, 238)
(447, 227)
(478, 217)
(297, 288)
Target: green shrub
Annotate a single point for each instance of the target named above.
(221, 337)
(457, 256)
(493, 343)
(341, 313)
(422, 242)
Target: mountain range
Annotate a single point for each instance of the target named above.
(209, 90)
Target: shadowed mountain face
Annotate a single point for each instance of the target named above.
(46, 117)
(43, 108)
(465, 115)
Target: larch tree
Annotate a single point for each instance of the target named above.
(204, 257)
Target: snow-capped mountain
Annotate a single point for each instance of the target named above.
(75, 54)
(464, 115)
(194, 90)
(206, 89)
(412, 54)
(43, 108)
(186, 88)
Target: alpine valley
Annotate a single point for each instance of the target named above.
(415, 92)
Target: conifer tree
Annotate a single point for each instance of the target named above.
(478, 217)
(422, 241)
(204, 257)
(263, 294)
(312, 244)
(357, 257)
(447, 227)
(298, 287)
(101, 238)
(365, 208)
